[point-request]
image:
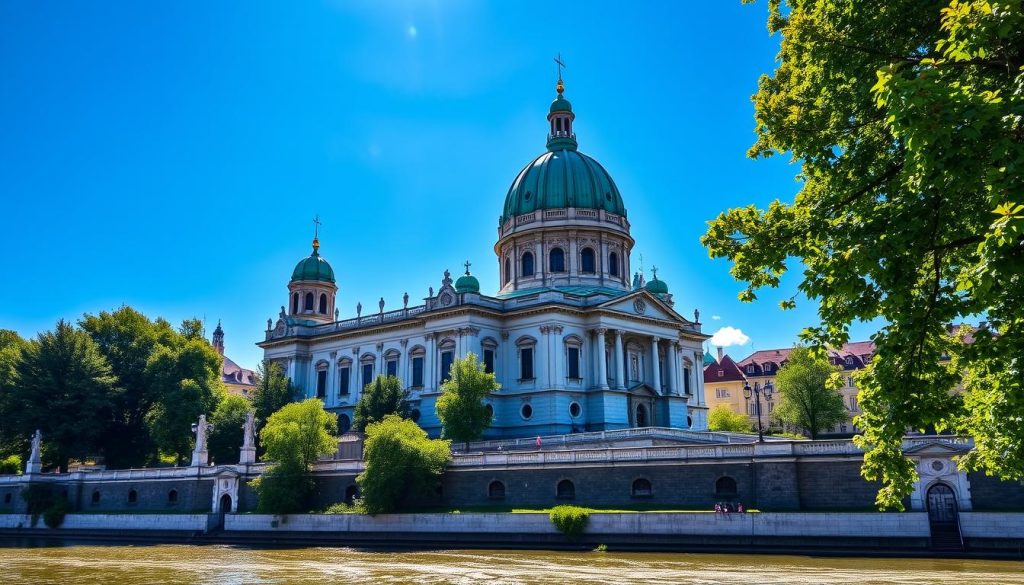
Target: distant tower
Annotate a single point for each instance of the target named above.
(218, 339)
(312, 291)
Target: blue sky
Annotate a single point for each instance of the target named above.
(171, 156)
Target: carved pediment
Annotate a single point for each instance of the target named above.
(644, 304)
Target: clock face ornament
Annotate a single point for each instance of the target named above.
(639, 306)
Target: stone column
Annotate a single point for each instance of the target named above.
(670, 369)
(620, 361)
(698, 374)
(430, 379)
(403, 363)
(655, 365)
(330, 396)
(541, 358)
(602, 359)
(558, 357)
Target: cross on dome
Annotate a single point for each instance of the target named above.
(467, 265)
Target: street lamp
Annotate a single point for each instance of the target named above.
(756, 394)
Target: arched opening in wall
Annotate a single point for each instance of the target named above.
(689, 422)
(725, 488)
(323, 304)
(641, 416)
(172, 497)
(133, 496)
(587, 263)
(225, 506)
(508, 271)
(941, 504)
(556, 262)
(565, 490)
(308, 305)
(295, 303)
(641, 488)
(351, 494)
(613, 264)
(496, 490)
(95, 499)
(527, 264)
(344, 424)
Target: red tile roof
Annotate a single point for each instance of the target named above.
(723, 371)
(232, 373)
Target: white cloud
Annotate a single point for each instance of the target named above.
(716, 317)
(727, 336)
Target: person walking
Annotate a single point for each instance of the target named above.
(538, 442)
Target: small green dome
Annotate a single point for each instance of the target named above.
(314, 267)
(560, 104)
(559, 180)
(709, 359)
(467, 283)
(656, 287)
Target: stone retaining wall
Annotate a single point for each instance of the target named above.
(188, 522)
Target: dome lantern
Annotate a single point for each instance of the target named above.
(467, 283)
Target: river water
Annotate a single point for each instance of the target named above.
(144, 565)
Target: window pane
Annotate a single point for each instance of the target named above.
(528, 264)
(686, 380)
(557, 260)
(489, 361)
(574, 363)
(392, 368)
(447, 358)
(321, 383)
(587, 260)
(417, 371)
(367, 374)
(526, 363)
(343, 375)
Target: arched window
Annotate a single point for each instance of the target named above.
(725, 487)
(490, 411)
(508, 270)
(172, 497)
(96, 497)
(344, 424)
(308, 306)
(557, 260)
(496, 490)
(641, 488)
(587, 260)
(133, 496)
(565, 490)
(323, 304)
(295, 303)
(613, 264)
(527, 264)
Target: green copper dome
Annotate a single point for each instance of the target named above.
(560, 104)
(467, 283)
(562, 179)
(657, 287)
(314, 267)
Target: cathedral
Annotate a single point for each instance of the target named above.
(576, 344)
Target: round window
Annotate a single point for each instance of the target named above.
(575, 409)
(526, 411)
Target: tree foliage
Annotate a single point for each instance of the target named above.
(273, 390)
(809, 396)
(294, 437)
(225, 440)
(401, 462)
(186, 383)
(461, 408)
(722, 418)
(380, 398)
(907, 117)
(11, 346)
(64, 388)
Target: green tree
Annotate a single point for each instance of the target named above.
(722, 418)
(294, 437)
(401, 463)
(225, 440)
(192, 329)
(127, 338)
(461, 408)
(64, 388)
(11, 346)
(809, 396)
(273, 390)
(907, 120)
(186, 383)
(380, 398)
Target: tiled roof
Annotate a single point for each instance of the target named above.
(723, 371)
(768, 361)
(232, 373)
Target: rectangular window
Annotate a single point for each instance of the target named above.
(367, 374)
(489, 361)
(526, 363)
(447, 357)
(721, 393)
(392, 367)
(686, 380)
(343, 374)
(321, 383)
(853, 403)
(849, 381)
(574, 363)
(417, 372)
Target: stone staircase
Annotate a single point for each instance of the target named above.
(946, 537)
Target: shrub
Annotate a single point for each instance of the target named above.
(53, 516)
(10, 465)
(355, 507)
(283, 489)
(722, 418)
(401, 462)
(38, 498)
(570, 520)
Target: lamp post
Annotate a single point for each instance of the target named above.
(756, 394)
